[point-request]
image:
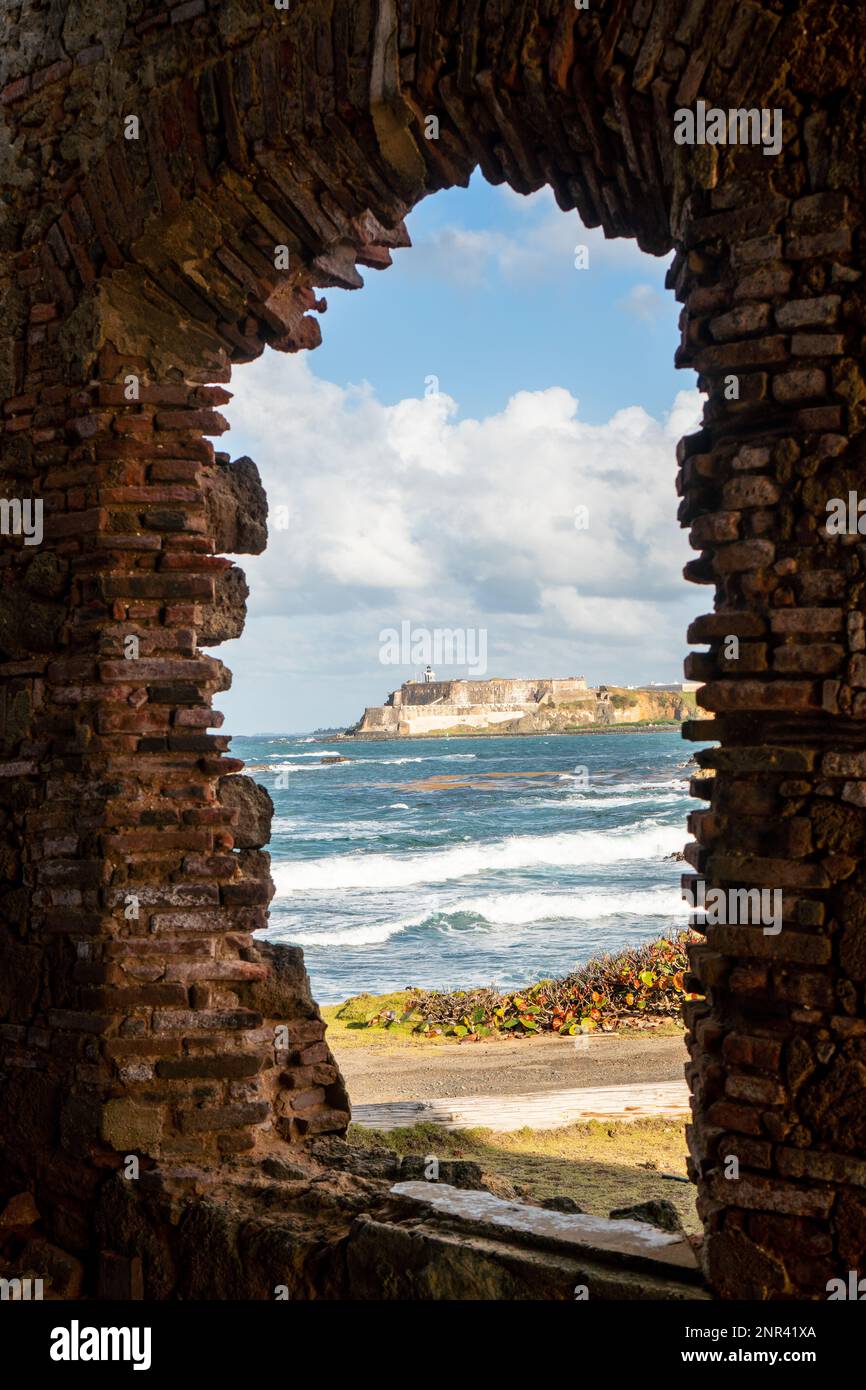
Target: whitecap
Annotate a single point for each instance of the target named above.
(516, 909)
(564, 850)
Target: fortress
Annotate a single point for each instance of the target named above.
(427, 708)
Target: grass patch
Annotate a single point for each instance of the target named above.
(602, 1165)
(357, 1011)
(351, 1032)
(349, 1023)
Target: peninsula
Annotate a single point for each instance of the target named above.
(429, 708)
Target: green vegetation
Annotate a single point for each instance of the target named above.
(641, 986)
(601, 1165)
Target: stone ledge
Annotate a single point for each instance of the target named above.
(315, 1230)
(633, 1242)
(426, 1262)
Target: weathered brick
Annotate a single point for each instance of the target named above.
(204, 1020)
(223, 1117)
(230, 1066)
(770, 1194)
(750, 492)
(800, 385)
(745, 555)
(798, 313)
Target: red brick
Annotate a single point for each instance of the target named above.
(203, 421)
(14, 91)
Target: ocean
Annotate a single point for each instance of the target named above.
(446, 863)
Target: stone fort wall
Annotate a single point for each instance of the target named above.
(493, 692)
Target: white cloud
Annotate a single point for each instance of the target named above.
(643, 302)
(408, 512)
(541, 250)
(419, 432)
(684, 415)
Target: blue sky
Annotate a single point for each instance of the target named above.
(555, 390)
(489, 300)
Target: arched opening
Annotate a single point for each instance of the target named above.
(482, 499)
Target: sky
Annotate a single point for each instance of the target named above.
(483, 445)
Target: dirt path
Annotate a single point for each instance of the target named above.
(545, 1110)
(410, 1071)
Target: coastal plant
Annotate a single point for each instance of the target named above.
(639, 986)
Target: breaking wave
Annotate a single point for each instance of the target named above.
(576, 849)
(509, 910)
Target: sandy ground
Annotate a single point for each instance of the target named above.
(409, 1071)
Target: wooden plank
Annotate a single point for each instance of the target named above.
(534, 1110)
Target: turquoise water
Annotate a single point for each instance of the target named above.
(452, 862)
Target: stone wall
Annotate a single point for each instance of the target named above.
(492, 692)
(155, 158)
(421, 720)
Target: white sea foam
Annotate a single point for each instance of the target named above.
(574, 802)
(371, 934)
(514, 909)
(319, 753)
(357, 762)
(578, 848)
(672, 784)
(519, 909)
(292, 767)
(426, 758)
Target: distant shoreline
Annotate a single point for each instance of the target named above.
(343, 735)
(638, 727)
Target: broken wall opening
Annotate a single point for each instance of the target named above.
(332, 466)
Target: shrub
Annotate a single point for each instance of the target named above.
(639, 983)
